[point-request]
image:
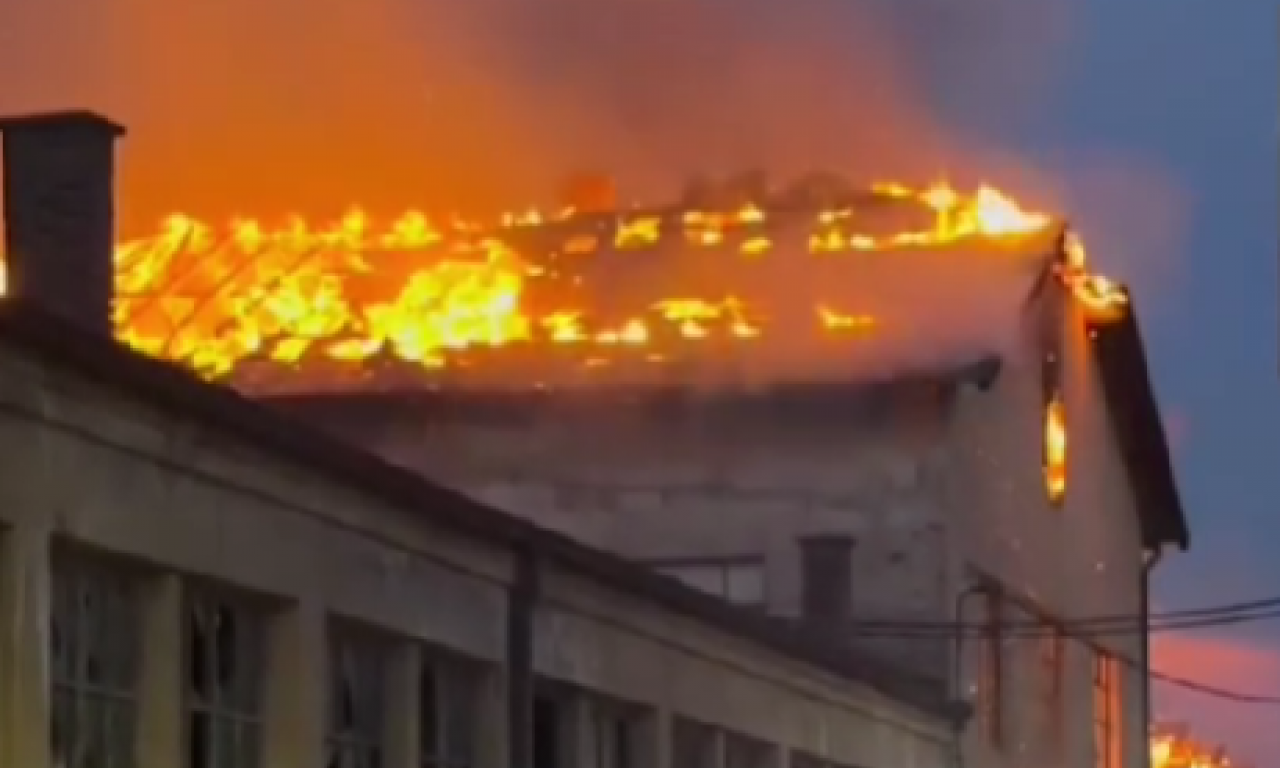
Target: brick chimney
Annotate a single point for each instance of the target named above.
(826, 579)
(59, 217)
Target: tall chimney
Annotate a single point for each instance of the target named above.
(826, 578)
(59, 213)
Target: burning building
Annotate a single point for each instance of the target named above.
(890, 414)
(910, 420)
(188, 578)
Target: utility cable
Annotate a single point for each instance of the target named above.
(1030, 630)
(1263, 608)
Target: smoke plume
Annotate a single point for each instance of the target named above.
(268, 108)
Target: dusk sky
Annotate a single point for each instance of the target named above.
(1158, 120)
(1189, 89)
(1155, 122)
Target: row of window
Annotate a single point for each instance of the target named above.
(695, 745)
(96, 646)
(994, 689)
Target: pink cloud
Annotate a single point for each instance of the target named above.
(1248, 730)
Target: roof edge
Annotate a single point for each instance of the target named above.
(172, 388)
(1139, 429)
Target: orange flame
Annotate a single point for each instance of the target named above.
(1172, 748)
(1055, 447)
(425, 288)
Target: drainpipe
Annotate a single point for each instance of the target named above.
(957, 655)
(521, 601)
(1144, 609)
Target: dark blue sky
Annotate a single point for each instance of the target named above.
(1190, 88)
(1191, 85)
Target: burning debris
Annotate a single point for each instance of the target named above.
(600, 284)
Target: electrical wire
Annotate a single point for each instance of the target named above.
(1208, 617)
(1044, 629)
(1228, 613)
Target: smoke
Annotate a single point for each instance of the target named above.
(264, 109)
(268, 108)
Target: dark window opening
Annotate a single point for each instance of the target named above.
(448, 713)
(546, 732)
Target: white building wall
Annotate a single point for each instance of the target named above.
(186, 504)
(925, 504)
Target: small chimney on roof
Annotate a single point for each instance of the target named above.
(826, 578)
(59, 213)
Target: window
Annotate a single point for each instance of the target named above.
(615, 736)
(992, 671)
(1105, 700)
(549, 720)
(739, 580)
(447, 704)
(1051, 661)
(744, 752)
(357, 700)
(225, 648)
(693, 745)
(802, 760)
(93, 647)
(1054, 454)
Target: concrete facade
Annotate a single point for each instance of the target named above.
(94, 474)
(937, 497)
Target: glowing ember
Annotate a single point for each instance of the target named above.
(1055, 449)
(422, 290)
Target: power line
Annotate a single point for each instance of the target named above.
(1207, 616)
(1198, 618)
(926, 630)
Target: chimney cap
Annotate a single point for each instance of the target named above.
(76, 118)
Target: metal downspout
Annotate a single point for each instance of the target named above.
(957, 664)
(521, 602)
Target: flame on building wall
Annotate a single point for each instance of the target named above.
(1055, 439)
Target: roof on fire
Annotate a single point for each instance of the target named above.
(60, 343)
(1117, 349)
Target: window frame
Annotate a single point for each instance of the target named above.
(219, 708)
(450, 674)
(369, 647)
(1104, 686)
(615, 734)
(685, 731)
(1052, 663)
(756, 752)
(111, 694)
(1052, 399)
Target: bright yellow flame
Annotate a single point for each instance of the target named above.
(1179, 750)
(1055, 449)
(423, 288)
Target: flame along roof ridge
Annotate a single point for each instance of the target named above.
(216, 299)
